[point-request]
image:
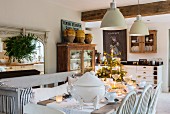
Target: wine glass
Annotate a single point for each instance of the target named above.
(116, 76)
(127, 78)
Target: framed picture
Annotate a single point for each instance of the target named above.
(69, 24)
(116, 40)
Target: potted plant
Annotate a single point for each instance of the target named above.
(20, 47)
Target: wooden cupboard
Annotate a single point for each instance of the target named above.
(75, 57)
(144, 44)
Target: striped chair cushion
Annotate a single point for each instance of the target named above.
(7, 103)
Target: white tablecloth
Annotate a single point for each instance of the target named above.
(71, 107)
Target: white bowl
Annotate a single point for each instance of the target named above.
(4, 61)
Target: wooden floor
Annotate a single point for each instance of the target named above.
(164, 104)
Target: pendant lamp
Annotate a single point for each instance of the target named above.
(113, 19)
(139, 28)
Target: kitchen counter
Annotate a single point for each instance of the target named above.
(135, 63)
(20, 64)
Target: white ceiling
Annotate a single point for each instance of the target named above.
(86, 5)
(129, 21)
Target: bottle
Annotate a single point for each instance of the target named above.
(153, 61)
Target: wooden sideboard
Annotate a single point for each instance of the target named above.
(75, 57)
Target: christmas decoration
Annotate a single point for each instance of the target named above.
(112, 67)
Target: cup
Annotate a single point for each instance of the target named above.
(130, 88)
(142, 84)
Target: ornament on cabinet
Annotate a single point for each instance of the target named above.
(66, 25)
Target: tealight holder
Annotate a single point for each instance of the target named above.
(59, 98)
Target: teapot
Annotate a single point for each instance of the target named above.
(110, 96)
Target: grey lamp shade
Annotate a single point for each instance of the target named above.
(113, 20)
(139, 28)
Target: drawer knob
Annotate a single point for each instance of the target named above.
(144, 77)
(144, 72)
(144, 67)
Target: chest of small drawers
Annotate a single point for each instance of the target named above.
(150, 74)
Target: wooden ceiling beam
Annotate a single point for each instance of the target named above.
(149, 9)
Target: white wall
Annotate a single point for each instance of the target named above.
(98, 39)
(162, 47)
(38, 14)
(162, 50)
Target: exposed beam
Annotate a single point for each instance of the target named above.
(149, 9)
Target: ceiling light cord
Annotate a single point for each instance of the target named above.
(113, 4)
(138, 8)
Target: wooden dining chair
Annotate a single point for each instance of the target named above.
(39, 109)
(154, 99)
(143, 102)
(128, 103)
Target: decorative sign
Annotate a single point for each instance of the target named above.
(116, 40)
(69, 24)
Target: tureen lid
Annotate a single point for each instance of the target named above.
(89, 79)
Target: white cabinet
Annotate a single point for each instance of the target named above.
(150, 74)
(131, 70)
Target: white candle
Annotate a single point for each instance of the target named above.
(111, 50)
(114, 84)
(118, 68)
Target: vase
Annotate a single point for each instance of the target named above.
(88, 38)
(69, 35)
(80, 36)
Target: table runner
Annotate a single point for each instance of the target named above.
(71, 107)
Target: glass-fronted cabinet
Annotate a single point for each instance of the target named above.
(144, 44)
(75, 57)
(75, 60)
(88, 59)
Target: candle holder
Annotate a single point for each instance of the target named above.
(59, 98)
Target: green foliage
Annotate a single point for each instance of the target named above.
(20, 47)
(110, 69)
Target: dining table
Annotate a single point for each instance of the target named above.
(73, 108)
(70, 105)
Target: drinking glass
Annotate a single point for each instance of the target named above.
(116, 76)
(127, 78)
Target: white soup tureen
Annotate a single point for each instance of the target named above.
(88, 89)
